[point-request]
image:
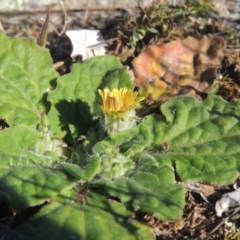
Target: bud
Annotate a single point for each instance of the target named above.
(114, 165)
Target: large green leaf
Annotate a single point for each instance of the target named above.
(26, 73)
(117, 78)
(150, 185)
(150, 188)
(24, 181)
(192, 140)
(16, 140)
(75, 101)
(89, 168)
(83, 216)
(24, 186)
(28, 178)
(21, 141)
(202, 139)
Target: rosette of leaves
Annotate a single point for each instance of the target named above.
(33, 171)
(75, 198)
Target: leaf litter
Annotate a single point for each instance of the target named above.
(191, 68)
(181, 66)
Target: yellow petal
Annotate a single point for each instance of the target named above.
(119, 100)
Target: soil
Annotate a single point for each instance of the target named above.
(199, 220)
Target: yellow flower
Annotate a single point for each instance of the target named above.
(119, 100)
(118, 107)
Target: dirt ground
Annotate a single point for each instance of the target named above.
(199, 220)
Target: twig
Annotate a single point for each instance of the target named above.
(66, 20)
(42, 37)
(34, 12)
(86, 12)
(198, 190)
(1, 27)
(221, 223)
(216, 228)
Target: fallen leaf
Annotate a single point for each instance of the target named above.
(166, 70)
(125, 53)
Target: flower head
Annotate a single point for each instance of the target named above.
(119, 100)
(118, 107)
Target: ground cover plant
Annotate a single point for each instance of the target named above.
(83, 154)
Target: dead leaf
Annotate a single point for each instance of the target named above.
(42, 37)
(166, 70)
(125, 53)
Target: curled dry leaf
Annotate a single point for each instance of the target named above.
(126, 53)
(165, 70)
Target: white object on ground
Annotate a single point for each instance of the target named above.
(227, 200)
(87, 43)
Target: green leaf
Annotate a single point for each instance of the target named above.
(117, 152)
(23, 181)
(203, 138)
(24, 186)
(115, 140)
(22, 141)
(197, 141)
(88, 171)
(129, 142)
(150, 188)
(75, 100)
(50, 145)
(89, 216)
(117, 78)
(152, 30)
(16, 140)
(16, 144)
(25, 75)
(138, 34)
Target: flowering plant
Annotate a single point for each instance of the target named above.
(118, 107)
(87, 183)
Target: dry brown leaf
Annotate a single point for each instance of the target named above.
(166, 70)
(126, 53)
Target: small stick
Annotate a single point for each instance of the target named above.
(42, 37)
(221, 223)
(86, 12)
(66, 21)
(1, 27)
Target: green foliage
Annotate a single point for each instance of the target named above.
(23, 186)
(150, 187)
(202, 138)
(75, 100)
(90, 167)
(26, 75)
(17, 139)
(93, 190)
(82, 216)
(159, 21)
